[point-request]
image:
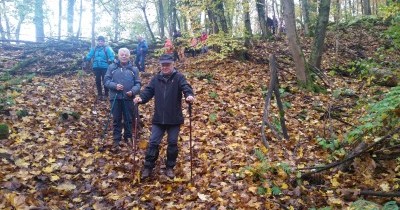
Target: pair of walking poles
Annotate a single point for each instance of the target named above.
(135, 138)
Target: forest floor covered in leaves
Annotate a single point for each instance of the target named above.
(51, 158)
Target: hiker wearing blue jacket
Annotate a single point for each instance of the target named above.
(141, 51)
(102, 55)
(124, 83)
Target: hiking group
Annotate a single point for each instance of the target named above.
(121, 82)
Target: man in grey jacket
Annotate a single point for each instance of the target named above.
(124, 83)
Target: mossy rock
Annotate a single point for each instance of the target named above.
(4, 131)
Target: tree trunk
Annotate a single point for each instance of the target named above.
(7, 22)
(161, 17)
(148, 24)
(3, 35)
(93, 22)
(247, 23)
(78, 33)
(261, 18)
(306, 16)
(174, 16)
(70, 17)
(38, 19)
(294, 45)
(59, 18)
(213, 21)
(116, 24)
(320, 32)
(220, 12)
(367, 7)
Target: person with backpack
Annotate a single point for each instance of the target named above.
(124, 83)
(167, 87)
(102, 55)
(141, 51)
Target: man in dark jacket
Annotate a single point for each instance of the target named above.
(124, 83)
(167, 88)
(101, 55)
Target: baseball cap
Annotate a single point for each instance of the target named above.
(166, 58)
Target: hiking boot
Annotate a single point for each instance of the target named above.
(145, 173)
(128, 141)
(170, 173)
(115, 146)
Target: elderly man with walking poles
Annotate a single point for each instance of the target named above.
(167, 87)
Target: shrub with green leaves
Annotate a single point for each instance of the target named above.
(225, 46)
(382, 117)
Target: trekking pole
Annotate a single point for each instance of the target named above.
(190, 143)
(136, 113)
(108, 120)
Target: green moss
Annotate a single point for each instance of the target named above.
(4, 132)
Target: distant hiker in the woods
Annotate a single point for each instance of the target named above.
(272, 24)
(179, 52)
(168, 47)
(194, 44)
(102, 55)
(141, 51)
(203, 42)
(167, 87)
(124, 83)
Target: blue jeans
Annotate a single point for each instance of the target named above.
(139, 61)
(157, 133)
(122, 109)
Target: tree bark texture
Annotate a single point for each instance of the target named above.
(247, 23)
(320, 32)
(116, 14)
(6, 20)
(70, 17)
(294, 45)
(366, 7)
(261, 17)
(220, 11)
(59, 18)
(39, 26)
(306, 16)
(78, 32)
(93, 22)
(161, 17)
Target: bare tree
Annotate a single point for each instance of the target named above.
(302, 75)
(247, 23)
(70, 17)
(161, 16)
(142, 6)
(93, 22)
(320, 32)
(23, 9)
(261, 17)
(39, 26)
(59, 18)
(306, 16)
(7, 22)
(116, 25)
(367, 7)
(78, 33)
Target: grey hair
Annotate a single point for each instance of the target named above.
(124, 49)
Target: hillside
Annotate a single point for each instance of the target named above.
(51, 158)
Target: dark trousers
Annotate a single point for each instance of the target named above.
(122, 109)
(139, 61)
(99, 73)
(157, 133)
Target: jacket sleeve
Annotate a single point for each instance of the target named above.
(145, 47)
(136, 87)
(109, 83)
(148, 91)
(111, 54)
(90, 54)
(186, 88)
